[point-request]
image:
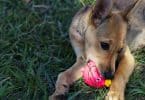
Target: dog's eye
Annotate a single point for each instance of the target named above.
(105, 46)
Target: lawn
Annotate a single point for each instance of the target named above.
(35, 48)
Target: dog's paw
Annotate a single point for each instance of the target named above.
(112, 95)
(58, 97)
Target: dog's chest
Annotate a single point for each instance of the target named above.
(136, 32)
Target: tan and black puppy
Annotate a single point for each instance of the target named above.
(99, 33)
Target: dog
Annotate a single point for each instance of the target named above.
(105, 33)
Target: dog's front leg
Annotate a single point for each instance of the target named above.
(121, 77)
(65, 79)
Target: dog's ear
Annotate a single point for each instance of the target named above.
(101, 10)
(127, 10)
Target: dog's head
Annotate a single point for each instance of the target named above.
(105, 36)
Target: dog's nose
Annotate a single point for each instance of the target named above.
(108, 75)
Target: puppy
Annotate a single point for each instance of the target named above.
(101, 33)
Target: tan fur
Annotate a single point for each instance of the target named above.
(86, 33)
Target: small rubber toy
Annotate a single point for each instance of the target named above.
(92, 76)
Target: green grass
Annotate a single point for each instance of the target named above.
(35, 48)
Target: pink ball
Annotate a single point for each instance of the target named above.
(92, 76)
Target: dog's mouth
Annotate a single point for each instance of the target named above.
(106, 74)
